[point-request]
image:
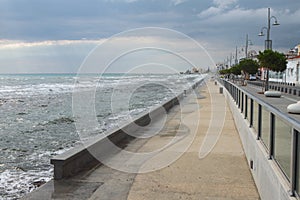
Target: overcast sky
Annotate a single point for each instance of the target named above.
(56, 36)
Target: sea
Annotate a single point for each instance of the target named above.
(37, 122)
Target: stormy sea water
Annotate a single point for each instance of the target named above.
(36, 120)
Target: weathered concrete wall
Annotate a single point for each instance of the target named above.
(267, 176)
(80, 159)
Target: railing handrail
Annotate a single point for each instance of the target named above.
(292, 172)
(272, 109)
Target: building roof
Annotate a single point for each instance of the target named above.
(294, 57)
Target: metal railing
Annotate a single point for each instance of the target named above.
(277, 131)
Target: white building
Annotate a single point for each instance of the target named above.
(292, 74)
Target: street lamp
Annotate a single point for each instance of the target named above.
(262, 31)
(230, 60)
(236, 60)
(268, 41)
(248, 42)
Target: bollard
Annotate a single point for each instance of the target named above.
(215, 82)
(221, 90)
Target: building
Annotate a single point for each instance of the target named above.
(292, 70)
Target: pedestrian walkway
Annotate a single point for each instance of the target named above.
(222, 174)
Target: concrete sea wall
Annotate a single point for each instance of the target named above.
(80, 159)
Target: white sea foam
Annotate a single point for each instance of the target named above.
(14, 183)
(43, 101)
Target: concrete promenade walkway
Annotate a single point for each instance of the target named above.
(223, 174)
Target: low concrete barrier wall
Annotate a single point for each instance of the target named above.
(285, 88)
(80, 159)
(268, 179)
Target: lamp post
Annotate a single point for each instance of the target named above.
(227, 61)
(248, 42)
(268, 41)
(236, 60)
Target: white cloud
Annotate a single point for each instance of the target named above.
(212, 11)
(126, 1)
(177, 2)
(124, 52)
(239, 14)
(235, 15)
(223, 4)
(130, 1)
(287, 16)
(220, 7)
(16, 44)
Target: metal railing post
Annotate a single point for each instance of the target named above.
(246, 106)
(251, 112)
(272, 135)
(294, 161)
(259, 122)
(239, 98)
(242, 102)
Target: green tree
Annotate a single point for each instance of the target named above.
(236, 70)
(224, 71)
(272, 60)
(249, 66)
